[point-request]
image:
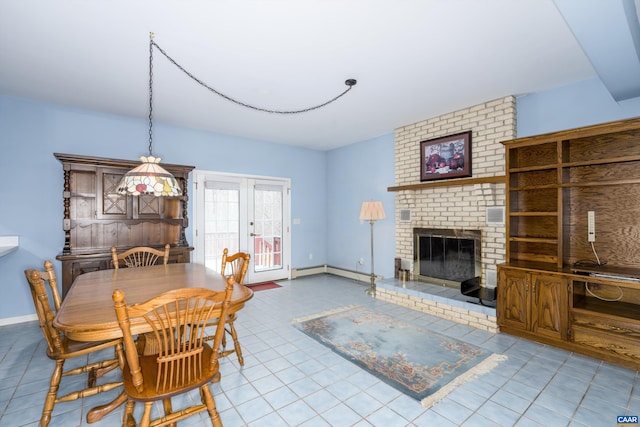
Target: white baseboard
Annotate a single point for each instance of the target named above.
(18, 319)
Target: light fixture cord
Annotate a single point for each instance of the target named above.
(348, 82)
(150, 91)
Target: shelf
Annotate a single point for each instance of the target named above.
(83, 195)
(533, 187)
(533, 240)
(8, 244)
(600, 183)
(606, 161)
(501, 179)
(130, 221)
(533, 213)
(534, 168)
(612, 310)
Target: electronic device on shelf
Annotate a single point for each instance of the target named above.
(606, 275)
(614, 276)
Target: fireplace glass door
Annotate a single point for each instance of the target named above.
(446, 259)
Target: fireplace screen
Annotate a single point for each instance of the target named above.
(447, 257)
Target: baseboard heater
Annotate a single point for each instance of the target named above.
(349, 274)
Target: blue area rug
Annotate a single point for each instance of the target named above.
(422, 364)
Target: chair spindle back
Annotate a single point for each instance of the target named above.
(43, 308)
(238, 263)
(141, 256)
(177, 319)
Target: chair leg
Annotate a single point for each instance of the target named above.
(234, 335)
(223, 343)
(96, 373)
(207, 399)
(128, 419)
(146, 416)
(119, 351)
(50, 400)
(168, 409)
(100, 411)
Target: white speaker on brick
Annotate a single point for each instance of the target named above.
(492, 279)
(405, 215)
(495, 215)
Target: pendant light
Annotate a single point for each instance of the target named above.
(149, 178)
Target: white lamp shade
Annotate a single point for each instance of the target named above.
(372, 211)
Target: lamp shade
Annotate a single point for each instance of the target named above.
(150, 179)
(372, 211)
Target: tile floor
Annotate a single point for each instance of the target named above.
(291, 380)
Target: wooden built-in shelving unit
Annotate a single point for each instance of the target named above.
(552, 288)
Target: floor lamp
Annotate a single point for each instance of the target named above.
(372, 211)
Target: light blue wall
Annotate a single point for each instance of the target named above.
(580, 104)
(357, 173)
(31, 196)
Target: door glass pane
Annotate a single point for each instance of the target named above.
(222, 222)
(268, 228)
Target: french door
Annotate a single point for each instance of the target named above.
(243, 213)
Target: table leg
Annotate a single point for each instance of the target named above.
(97, 413)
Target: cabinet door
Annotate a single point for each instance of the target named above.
(148, 207)
(549, 306)
(73, 268)
(513, 299)
(111, 204)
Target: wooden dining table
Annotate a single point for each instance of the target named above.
(87, 312)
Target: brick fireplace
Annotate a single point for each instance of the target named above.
(447, 205)
(455, 204)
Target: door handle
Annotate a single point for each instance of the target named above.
(252, 234)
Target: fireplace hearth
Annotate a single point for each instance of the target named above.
(446, 257)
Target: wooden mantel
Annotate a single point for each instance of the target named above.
(501, 179)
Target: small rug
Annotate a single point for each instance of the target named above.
(263, 286)
(422, 364)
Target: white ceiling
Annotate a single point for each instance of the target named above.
(413, 59)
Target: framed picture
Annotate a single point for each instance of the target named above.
(446, 157)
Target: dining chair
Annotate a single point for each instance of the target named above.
(60, 348)
(185, 360)
(235, 266)
(140, 256)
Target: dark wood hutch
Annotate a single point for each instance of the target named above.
(96, 217)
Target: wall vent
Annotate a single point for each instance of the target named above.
(405, 215)
(495, 215)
